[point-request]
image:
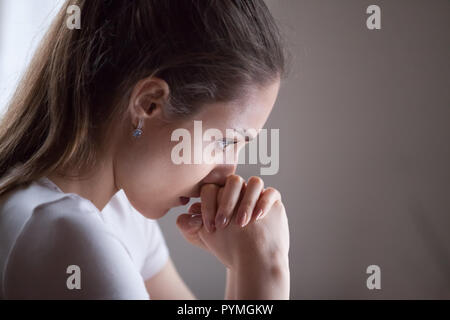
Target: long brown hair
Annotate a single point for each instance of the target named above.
(78, 80)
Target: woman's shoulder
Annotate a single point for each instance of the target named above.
(37, 206)
(60, 233)
(25, 200)
(41, 214)
(56, 227)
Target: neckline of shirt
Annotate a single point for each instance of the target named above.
(50, 184)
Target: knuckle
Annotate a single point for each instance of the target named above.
(274, 192)
(279, 208)
(234, 179)
(277, 204)
(208, 188)
(257, 181)
(271, 189)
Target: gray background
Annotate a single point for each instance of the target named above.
(364, 129)
(364, 151)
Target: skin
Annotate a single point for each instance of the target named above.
(229, 206)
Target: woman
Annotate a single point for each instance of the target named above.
(86, 148)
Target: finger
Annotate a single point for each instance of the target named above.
(238, 204)
(219, 194)
(189, 222)
(241, 196)
(265, 202)
(208, 195)
(230, 197)
(189, 226)
(254, 188)
(195, 208)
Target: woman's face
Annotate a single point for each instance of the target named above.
(146, 169)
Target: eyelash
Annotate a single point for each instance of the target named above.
(227, 142)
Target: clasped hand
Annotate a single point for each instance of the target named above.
(240, 223)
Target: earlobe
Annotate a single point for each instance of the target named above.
(137, 133)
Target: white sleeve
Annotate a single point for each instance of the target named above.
(59, 235)
(157, 253)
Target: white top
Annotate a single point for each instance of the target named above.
(51, 242)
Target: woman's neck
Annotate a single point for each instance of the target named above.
(98, 187)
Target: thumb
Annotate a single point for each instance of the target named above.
(189, 223)
(189, 226)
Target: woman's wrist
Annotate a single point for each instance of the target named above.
(268, 257)
(230, 288)
(274, 264)
(259, 276)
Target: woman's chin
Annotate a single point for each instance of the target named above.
(158, 212)
(155, 215)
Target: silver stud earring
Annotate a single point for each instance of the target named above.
(138, 131)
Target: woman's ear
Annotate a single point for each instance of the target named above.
(148, 98)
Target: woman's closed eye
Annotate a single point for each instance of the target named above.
(224, 143)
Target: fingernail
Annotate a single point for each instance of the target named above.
(221, 221)
(259, 214)
(243, 219)
(195, 221)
